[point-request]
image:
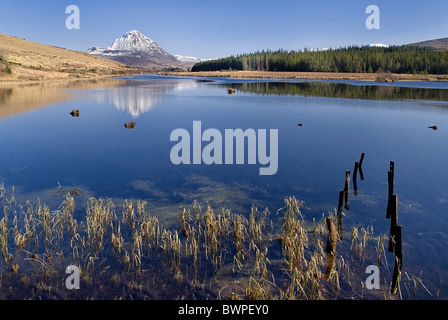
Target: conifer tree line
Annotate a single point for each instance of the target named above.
(365, 59)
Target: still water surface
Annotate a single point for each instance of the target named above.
(42, 146)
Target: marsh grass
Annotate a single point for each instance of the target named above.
(125, 253)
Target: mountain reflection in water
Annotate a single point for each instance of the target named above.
(137, 97)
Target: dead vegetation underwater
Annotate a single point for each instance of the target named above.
(123, 252)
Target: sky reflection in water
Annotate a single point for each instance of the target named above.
(43, 146)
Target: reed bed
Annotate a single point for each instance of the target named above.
(127, 254)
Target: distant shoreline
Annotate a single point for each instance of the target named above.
(54, 81)
(305, 75)
(235, 74)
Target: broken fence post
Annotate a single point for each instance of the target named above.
(393, 214)
(361, 176)
(331, 245)
(398, 260)
(346, 188)
(355, 185)
(339, 212)
(390, 182)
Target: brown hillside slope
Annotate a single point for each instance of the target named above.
(441, 44)
(22, 60)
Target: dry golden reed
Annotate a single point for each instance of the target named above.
(254, 257)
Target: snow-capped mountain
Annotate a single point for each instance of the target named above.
(136, 41)
(189, 59)
(137, 50)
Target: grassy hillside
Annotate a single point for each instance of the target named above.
(23, 60)
(440, 44)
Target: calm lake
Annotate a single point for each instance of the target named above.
(44, 149)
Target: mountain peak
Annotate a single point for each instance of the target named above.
(136, 41)
(137, 50)
(133, 32)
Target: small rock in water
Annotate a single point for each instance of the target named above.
(129, 125)
(75, 113)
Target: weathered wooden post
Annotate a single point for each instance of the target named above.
(398, 260)
(361, 159)
(332, 237)
(395, 245)
(355, 186)
(390, 181)
(361, 176)
(331, 245)
(339, 212)
(390, 177)
(393, 213)
(346, 188)
(398, 250)
(341, 201)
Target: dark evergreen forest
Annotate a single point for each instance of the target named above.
(365, 59)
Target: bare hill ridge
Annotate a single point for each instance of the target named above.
(23, 60)
(441, 44)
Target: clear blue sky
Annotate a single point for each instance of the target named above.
(213, 28)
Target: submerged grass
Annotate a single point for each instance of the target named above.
(128, 254)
